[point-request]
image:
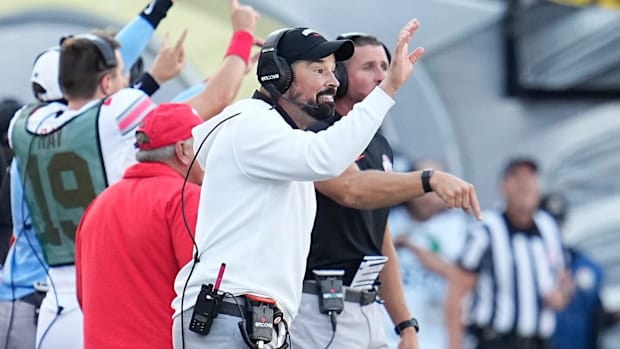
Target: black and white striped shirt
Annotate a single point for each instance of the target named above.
(516, 269)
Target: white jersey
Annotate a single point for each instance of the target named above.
(66, 157)
(258, 203)
(113, 137)
(119, 116)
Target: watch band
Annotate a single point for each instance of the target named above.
(426, 179)
(407, 323)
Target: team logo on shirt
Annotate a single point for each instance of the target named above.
(387, 164)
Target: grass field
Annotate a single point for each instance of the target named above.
(208, 22)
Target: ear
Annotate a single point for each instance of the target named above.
(182, 154)
(106, 84)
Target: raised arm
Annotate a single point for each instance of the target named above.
(224, 85)
(167, 65)
(135, 36)
(300, 155)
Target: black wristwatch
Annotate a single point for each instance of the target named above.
(426, 179)
(407, 323)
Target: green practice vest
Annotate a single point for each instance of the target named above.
(61, 172)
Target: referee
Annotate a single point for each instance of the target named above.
(513, 264)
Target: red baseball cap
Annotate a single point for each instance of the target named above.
(165, 125)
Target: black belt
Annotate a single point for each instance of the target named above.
(490, 335)
(361, 297)
(229, 307)
(33, 299)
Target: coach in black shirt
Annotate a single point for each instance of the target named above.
(343, 235)
(351, 223)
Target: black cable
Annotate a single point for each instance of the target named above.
(241, 324)
(333, 320)
(23, 232)
(196, 258)
(287, 336)
(230, 295)
(244, 334)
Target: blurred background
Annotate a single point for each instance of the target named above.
(535, 78)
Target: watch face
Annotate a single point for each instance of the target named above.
(407, 323)
(426, 179)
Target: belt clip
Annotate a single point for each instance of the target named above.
(367, 297)
(258, 323)
(41, 286)
(330, 290)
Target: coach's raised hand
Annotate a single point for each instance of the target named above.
(403, 61)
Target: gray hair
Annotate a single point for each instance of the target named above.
(159, 154)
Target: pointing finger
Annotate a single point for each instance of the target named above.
(181, 40)
(474, 204)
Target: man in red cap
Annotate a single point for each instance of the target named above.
(132, 240)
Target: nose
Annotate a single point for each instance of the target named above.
(380, 74)
(333, 81)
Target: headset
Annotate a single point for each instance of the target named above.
(106, 51)
(273, 71)
(341, 69)
(136, 71)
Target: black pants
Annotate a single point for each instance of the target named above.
(489, 339)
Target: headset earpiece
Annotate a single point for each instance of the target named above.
(135, 72)
(106, 50)
(286, 77)
(356, 35)
(343, 79)
(341, 69)
(273, 69)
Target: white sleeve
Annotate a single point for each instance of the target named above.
(273, 150)
(12, 126)
(119, 117)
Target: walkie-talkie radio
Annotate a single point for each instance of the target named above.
(205, 310)
(207, 306)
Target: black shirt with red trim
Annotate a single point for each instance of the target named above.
(342, 236)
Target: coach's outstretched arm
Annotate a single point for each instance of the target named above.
(224, 85)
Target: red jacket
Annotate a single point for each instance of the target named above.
(130, 244)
